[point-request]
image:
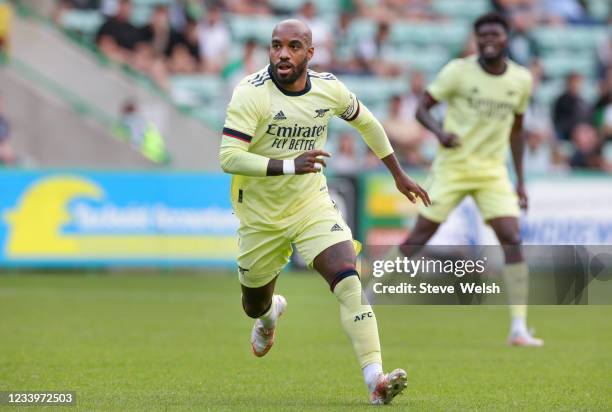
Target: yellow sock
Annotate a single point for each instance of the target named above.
(516, 278)
(358, 321)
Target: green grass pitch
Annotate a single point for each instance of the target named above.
(181, 342)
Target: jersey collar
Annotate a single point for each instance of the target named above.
(287, 92)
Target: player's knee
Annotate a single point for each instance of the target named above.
(255, 309)
(510, 238)
(340, 276)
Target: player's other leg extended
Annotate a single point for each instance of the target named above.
(265, 307)
(337, 265)
(516, 278)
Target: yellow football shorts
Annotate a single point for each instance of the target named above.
(263, 254)
(493, 194)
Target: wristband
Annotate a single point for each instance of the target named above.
(289, 167)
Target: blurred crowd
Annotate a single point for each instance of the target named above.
(188, 37)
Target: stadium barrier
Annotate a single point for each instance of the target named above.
(173, 219)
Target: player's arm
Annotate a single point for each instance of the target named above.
(358, 116)
(517, 146)
(517, 142)
(442, 89)
(242, 119)
(423, 115)
(236, 159)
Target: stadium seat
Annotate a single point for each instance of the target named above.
(194, 90)
(569, 38)
(561, 64)
(451, 35)
(427, 59)
(257, 27)
(84, 22)
(374, 90)
(461, 9)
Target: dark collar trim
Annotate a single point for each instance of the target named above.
(287, 92)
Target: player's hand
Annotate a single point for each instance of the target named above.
(522, 196)
(310, 162)
(411, 189)
(449, 140)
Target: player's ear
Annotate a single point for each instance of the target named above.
(310, 52)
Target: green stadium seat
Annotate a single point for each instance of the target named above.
(258, 27)
(82, 21)
(447, 34)
(569, 38)
(461, 9)
(561, 64)
(600, 9)
(196, 90)
(427, 59)
(374, 90)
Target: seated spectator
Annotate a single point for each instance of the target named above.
(7, 156)
(252, 60)
(522, 47)
(5, 27)
(117, 38)
(587, 148)
(370, 54)
(343, 60)
(251, 7)
(214, 38)
(321, 38)
(564, 11)
(569, 108)
(412, 10)
(185, 51)
(602, 110)
(405, 134)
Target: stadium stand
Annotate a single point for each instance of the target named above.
(423, 36)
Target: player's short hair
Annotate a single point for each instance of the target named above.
(491, 18)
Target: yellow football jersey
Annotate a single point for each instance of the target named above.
(274, 123)
(481, 110)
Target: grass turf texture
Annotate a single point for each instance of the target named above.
(181, 342)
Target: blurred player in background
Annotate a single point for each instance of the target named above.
(274, 133)
(487, 95)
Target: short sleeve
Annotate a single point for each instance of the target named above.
(525, 95)
(445, 85)
(348, 104)
(242, 115)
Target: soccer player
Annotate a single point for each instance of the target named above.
(273, 139)
(486, 95)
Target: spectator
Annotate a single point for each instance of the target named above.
(370, 54)
(251, 7)
(570, 108)
(321, 38)
(602, 110)
(117, 38)
(214, 39)
(564, 11)
(7, 156)
(252, 59)
(405, 134)
(587, 146)
(5, 27)
(185, 52)
(523, 48)
(410, 100)
(346, 161)
(342, 60)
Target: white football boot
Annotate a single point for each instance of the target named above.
(262, 339)
(524, 339)
(388, 387)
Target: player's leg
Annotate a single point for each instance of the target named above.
(261, 257)
(516, 278)
(325, 242)
(498, 205)
(423, 230)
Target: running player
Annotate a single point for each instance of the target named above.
(486, 95)
(273, 139)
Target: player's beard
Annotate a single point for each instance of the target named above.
(296, 74)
